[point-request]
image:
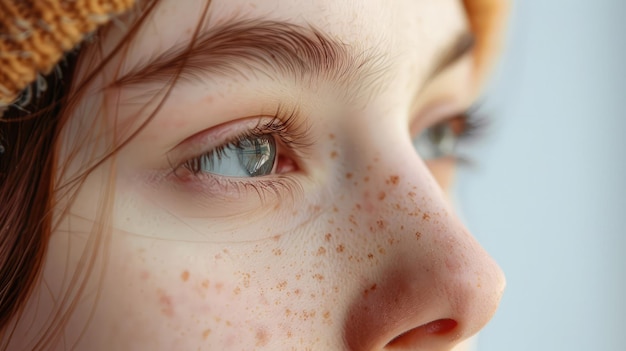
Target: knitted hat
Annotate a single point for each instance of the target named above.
(34, 35)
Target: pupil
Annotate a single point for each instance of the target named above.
(257, 155)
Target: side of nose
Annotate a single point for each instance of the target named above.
(435, 285)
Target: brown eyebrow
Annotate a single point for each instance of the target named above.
(256, 45)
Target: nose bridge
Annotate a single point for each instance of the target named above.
(433, 275)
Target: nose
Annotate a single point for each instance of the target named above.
(434, 286)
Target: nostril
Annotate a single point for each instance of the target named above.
(441, 326)
(417, 335)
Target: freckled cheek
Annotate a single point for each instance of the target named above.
(220, 296)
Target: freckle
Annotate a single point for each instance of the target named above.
(277, 252)
(219, 287)
(381, 195)
(370, 256)
(297, 292)
(335, 209)
(333, 155)
(218, 256)
(426, 217)
(298, 276)
(225, 251)
(358, 207)
(318, 277)
(380, 223)
(401, 227)
(205, 283)
(287, 312)
(381, 250)
(331, 136)
(366, 179)
(340, 248)
(282, 285)
(418, 235)
(331, 221)
(289, 334)
(328, 236)
(206, 333)
(276, 237)
(369, 167)
(394, 179)
(348, 175)
(412, 194)
(185, 276)
(261, 337)
(237, 291)
(320, 251)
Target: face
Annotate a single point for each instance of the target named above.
(287, 192)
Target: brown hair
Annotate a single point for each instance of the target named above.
(29, 137)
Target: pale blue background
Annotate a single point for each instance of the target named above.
(548, 197)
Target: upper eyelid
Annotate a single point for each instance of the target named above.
(293, 121)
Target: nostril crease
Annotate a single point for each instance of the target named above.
(413, 336)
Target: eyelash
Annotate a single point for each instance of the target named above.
(292, 138)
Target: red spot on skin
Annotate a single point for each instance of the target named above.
(321, 251)
(144, 275)
(206, 333)
(262, 337)
(348, 175)
(165, 301)
(381, 195)
(218, 287)
(184, 276)
(340, 248)
(328, 236)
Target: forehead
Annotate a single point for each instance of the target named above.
(411, 33)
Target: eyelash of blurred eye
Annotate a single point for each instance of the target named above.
(446, 138)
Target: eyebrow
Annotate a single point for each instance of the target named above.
(267, 47)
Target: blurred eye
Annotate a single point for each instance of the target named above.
(441, 140)
(249, 156)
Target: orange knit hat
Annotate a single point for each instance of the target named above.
(34, 35)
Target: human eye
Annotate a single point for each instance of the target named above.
(248, 153)
(442, 140)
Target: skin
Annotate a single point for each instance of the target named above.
(362, 251)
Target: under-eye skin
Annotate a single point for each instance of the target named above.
(442, 139)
